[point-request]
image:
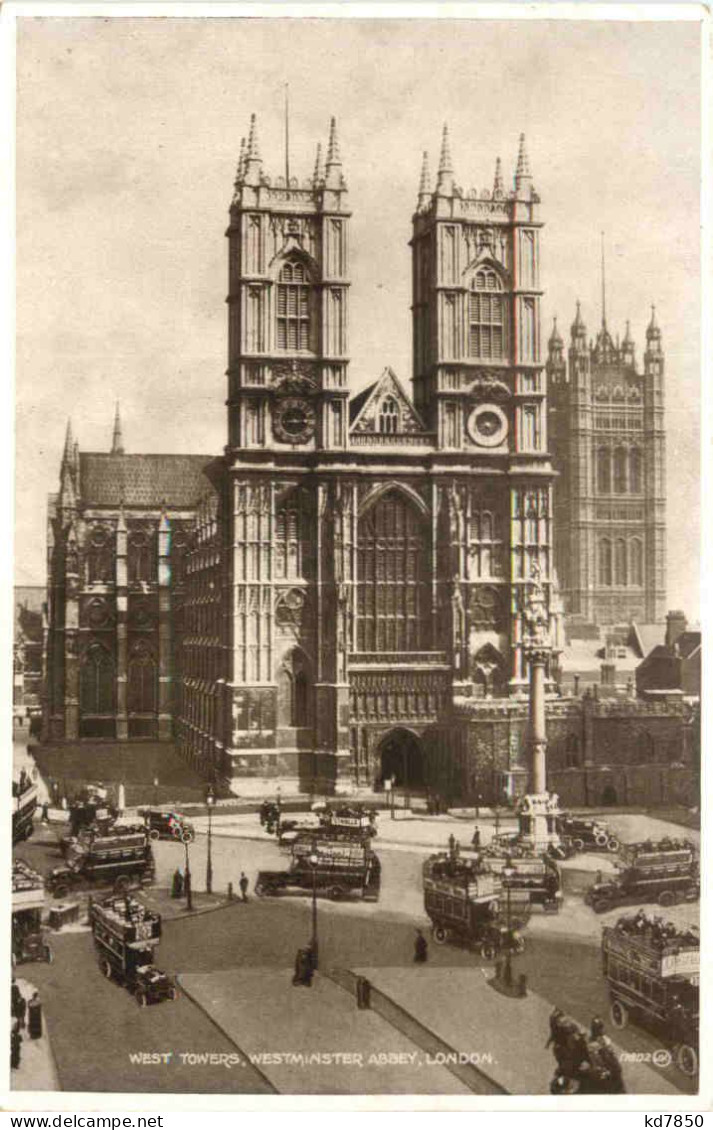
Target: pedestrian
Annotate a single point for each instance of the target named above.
(18, 1004)
(452, 846)
(476, 839)
(177, 884)
(243, 884)
(420, 948)
(45, 812)
(15, 1045)
(34, 1016)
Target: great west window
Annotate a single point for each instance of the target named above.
(392, 606)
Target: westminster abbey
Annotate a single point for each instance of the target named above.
(337, 599)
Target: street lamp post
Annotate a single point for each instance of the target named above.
(314, 944)
(210, 801)
(187, 879)
(508, 873)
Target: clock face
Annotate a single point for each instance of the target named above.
(488, 425)
(293, 421)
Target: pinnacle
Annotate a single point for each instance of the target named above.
(445, 164)
(333, 157)
(523, 163)
(117, 443)
(253, 151)
(68, 441)
(318, 175)
(424, 186)
(241, 162)
(498, 188)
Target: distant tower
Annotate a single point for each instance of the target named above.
(117, 443)
(608, 442)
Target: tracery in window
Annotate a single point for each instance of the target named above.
(620, 461)
(142, 688)
(635, 470)
(96, 681)
(392, 604)
(636, 562)
(620, 562)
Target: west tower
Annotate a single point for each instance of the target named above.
(479, 380)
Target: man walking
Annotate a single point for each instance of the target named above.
(420, 948)
(243, 884)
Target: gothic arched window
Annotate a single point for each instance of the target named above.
(100, 557)
(605, 562)
(141, 562)
(96, 681)
(389, 416)
(486, 317)
(620, 462)
(603, 470)
(635, 470)
(142, 680)
(294, 687)
(293, 307)
(392, 606)
(620, 562)
(636, 562)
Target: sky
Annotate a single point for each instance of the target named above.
(128, 134)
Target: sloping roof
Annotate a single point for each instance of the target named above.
(357, 402)
(177, 481)
(649, 636)
(687, 643)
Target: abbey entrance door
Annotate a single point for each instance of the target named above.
(401, 760)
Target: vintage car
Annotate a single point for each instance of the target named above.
(167, 824)
(586, 835)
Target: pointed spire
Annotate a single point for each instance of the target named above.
(444, 185)
(498, 187)
(333, 157)
(604, 289)
(522, 172)
(653, 333)
(555, 337)
(68, 444)
(318, 175)
(117, 443)
(240, 171)
(579, 330)
(333, 178)
(424, 184)
(627, 336)
(252, 164)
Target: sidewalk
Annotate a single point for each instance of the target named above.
(316, 1040)
(505, 1035)
(37, 1071)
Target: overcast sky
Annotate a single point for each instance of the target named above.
(127, 141)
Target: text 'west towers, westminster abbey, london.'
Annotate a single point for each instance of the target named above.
(338, 599)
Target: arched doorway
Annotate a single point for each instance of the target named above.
(401, 760)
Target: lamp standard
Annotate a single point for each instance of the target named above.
(210, 801)
(508, 873)
(187, 878)
(314, 944)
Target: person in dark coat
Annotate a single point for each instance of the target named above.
(34, 1016)
(476, 839)
(177, 884)
(45, 812)
(243, 884)
(420, 948)
(15, 1045)
(18, 1004)
(452, 846)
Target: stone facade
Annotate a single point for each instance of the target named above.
(608, 438)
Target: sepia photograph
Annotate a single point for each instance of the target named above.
(356, 705)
